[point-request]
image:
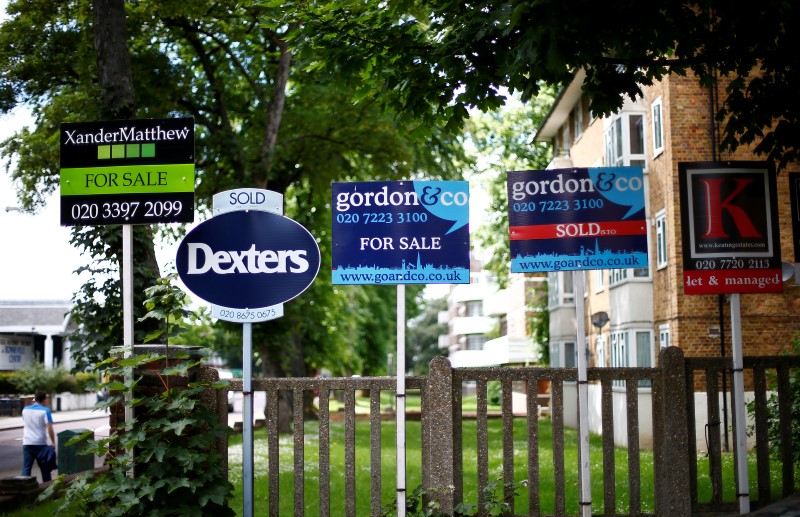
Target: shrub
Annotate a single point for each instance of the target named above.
(177, 466)
(774, 428)
(170, 447)
(494, 393)
(83, 380)
(6, 386)
(36, 377)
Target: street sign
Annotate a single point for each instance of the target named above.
(127, 172)
(248, 260)
(577, 219)
(729, 228)
(400, 232)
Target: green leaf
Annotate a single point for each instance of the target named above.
(180, 425)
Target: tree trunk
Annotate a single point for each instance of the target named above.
(275, 110)
(113, 62)
(118, 101)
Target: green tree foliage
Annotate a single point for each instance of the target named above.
(265, 116)
(422, 337)
(440, 58)
(502, 141)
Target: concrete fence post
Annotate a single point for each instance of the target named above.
(673, 491)
(439, 430)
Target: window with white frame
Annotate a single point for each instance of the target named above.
(565, 141)
(475, 341)
(632, 348)
(618, 276)
(560, 289)
(624, 141)
(570, 358)
(661, 239)
(577, 119)
(663, 335)
(473, 308)
(644, 353)
(555, 354)
(600, 351)
(619, 352)
(562, 354)
(658, 127)
(599, 280)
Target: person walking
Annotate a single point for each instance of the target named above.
(38, 422)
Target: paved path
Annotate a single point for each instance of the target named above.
(11, 428)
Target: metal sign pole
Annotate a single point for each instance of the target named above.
(583, 398)
(247, 415)
(742, 482)
(401, 400)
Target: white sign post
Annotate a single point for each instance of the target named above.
(401, 400)
(224, 202)
(581, 220)
(230, 261)
(742, 481)
(400, 232)
(731, 245)
(583, 399)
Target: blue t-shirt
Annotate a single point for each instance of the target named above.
(36, 418)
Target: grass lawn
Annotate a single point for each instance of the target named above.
(413, 459)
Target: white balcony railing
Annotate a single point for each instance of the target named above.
(468, 359)
(512, 350)
(464, 325)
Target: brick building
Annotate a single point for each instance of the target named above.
(647, 308)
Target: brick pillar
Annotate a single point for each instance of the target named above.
(151, 385)
(673, 491)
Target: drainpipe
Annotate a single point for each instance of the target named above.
(720, 297)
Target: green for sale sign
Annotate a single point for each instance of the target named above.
(127, 172)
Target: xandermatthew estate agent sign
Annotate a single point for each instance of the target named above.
(729, 228)
(127, 172)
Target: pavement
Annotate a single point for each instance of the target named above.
(11, 423)
(15, 422)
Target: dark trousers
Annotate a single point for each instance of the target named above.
(30, 453)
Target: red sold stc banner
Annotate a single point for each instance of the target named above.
(555, 231)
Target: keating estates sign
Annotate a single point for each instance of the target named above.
(730, 228)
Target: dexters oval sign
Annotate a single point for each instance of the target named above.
(248, 259)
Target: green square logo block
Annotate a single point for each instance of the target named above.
(118, 151)
(103, 152)
(148, 150)
(132, 151)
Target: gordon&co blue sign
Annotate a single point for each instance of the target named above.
(577, 219)
(400, 232)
